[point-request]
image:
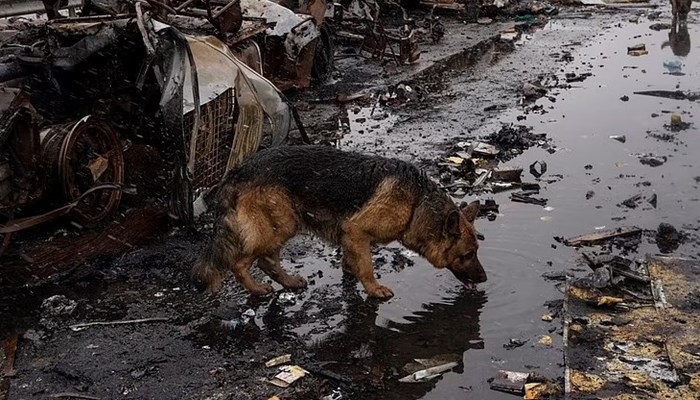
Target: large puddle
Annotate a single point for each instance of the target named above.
(431, 316)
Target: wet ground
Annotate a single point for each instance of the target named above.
(215, 347)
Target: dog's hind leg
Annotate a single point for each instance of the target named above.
(270, 264)
(347, 268)
(357, 255)
(241, 270)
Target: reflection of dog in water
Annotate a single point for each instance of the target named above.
(679, 38)
(348, 199)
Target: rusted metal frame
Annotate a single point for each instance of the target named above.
(381, 42)
(241, 36)
(140, 21)
(100, 8)
(150, 47)
(212, 17)
(184, 5)
(197, 112)
(91, 18)
(300, 125)
(64, 170)
(17, 7)
(389, 40)
(226, 7)
(296, 27)
(68, 58)
(28, 222)
(255, 92)
(194, 12)
(181, 9)
(209, 13)
(170, 118)
(379, 36)
(162, 5)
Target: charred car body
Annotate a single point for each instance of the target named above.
(105, 110)
(292, 40)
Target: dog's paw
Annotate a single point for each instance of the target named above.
(381, 292)
(295, 282)
(262, 289)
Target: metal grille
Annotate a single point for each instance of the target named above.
(214, 141)
(248, 133)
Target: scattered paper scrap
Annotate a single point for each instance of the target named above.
(288, 375)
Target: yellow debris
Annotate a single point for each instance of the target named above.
(583, 294)
(548, 318)
(676, 120)
(637, 53)
(638, 380)
(546, 340)
(534, 391)
(609, 301)
(283, 359)
(694, 383)
(586, 383)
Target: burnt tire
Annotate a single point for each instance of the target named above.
(324, 62)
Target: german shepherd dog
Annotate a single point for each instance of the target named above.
(347, 199)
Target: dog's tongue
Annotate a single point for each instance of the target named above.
(470, 286)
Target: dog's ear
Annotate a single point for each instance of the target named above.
(452, 224)
(470, 211)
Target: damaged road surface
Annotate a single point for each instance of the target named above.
(522, 108)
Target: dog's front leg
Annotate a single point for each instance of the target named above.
(357, 256)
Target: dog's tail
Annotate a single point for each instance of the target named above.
(218, 257)
(207, 276)
(225, 245)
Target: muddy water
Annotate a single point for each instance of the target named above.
(431, 316)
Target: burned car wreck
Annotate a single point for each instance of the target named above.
(102, 112)
(290, 43)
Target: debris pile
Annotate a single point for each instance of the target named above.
(512, 140)
(667, 238)
(653, 357)
(473, 167)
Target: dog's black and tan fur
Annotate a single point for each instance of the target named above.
(348, 199)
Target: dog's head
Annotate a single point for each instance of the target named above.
(461, 245)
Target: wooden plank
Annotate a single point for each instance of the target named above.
(600, 236)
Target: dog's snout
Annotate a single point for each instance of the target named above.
(472, 274)
(480, 273)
